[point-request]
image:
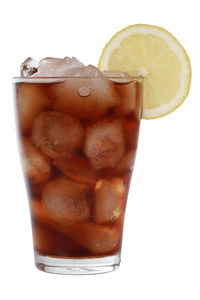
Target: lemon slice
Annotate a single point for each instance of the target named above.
(153, 53)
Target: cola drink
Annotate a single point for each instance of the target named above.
(78, 139)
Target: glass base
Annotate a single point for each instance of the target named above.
(84, 266)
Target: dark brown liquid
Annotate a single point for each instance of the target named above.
(78, 154)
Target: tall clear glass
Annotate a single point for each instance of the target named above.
(78, 139)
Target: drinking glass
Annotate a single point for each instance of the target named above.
(78, 139)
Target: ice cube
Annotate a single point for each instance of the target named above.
(104, 145)
(126, 177)
(57, 134)
(35, 165)
(85, 98)
(88, 71)
(32, 99)
(29, 67)
(127, 161)
(38, 211)
(73, 62)
(131, 132)
(109, 200)
(66, 200)
(49, 241)
(128, 96)
(57, 67)
(77, 168)
(35, 190)
(99, 239)
(129, 90)
(117, 76)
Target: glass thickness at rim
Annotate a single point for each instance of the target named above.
(58, 79)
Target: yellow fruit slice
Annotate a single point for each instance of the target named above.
(153, 53)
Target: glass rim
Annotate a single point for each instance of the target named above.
(62, 78)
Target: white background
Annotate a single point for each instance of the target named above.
(161, 246)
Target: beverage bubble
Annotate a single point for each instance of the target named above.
(104, 145)
(57, 134)
(84, 92)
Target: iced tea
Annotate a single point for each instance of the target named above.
(78, 138)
